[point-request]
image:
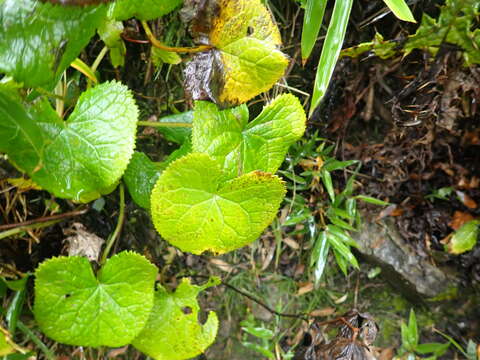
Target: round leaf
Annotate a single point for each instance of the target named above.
(81, 158)
(195, 209)
(173, 331)
(245, 60)
(74, 307)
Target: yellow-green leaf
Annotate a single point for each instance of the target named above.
(196, 209)
(245, 60)
(173, 331)
(400, 9)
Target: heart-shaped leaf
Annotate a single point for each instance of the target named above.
(173, 331)
(143, 9)
(39, 41)
(81, 158)
(242, 146)
(245, 60)
(196, 209)
(74, 307)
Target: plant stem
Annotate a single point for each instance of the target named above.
(19, 229)
(29, 333)
(99, 58)
(118, 228)
(155, 42)
(44, 219)
(163, 124)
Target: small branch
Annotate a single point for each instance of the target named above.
(118, 228)
(162, 46)
(44, 219)
(262, 304)
(163, 124)
(18, 230)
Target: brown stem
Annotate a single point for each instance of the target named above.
(45, 219)
(162, 46)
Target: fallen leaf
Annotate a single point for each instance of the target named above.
(222, 265)
(466, 200)
(305, 288)
(322, 312)
(83, 243)
(459, 218)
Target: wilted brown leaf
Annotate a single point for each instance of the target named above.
(83, 243)
(459, 218)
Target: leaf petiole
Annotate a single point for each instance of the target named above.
(118, 228)
(155, 42)
(163, 124)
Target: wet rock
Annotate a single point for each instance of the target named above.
(413, 275)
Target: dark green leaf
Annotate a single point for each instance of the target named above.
(371, 200)
(177, 134)
(327, 181)
(319, 256)
(437, 348)
(143, 9)
(140, 178)
(39, 41)
(312, 21)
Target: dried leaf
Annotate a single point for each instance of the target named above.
(83, 243)
(459, 218)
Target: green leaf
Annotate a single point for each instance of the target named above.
(331, 50)
(195, 209)
(259, 332)
(140, 178)
(177, 135)
(410, 332)
(74, 307)
(342, 250)
(437, 348)
(39, 41)
(327, 182)
(173, 331)
(320, 256)
(143, 9)
(312, 21)
(5, 344)
(400, 9)
(245, 60)
(15, 307)
(465, 238)
(81, 158)
(160, 56)
(19, 134)
(241, 146)
(110, 31)
(371, 200)
(455, 25)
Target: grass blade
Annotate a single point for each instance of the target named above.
(312, 21)
(400, 9)
(331, 50)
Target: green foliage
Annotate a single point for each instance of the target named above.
(334, 38)
(81, 158)
(173, 331)
(143, 9)
(454, 25)
(39, 41)
(196, 209)
(400, 9)
(240, 146)
(410, 341)
(140, 178)
(74, 307)
(312, 21)
(465, 238)
(109, 31)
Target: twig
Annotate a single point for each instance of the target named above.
(163, 124)
(18, 230)
(45, 219)
(118, 228)
(159, 45)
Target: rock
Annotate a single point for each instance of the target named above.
(381, 244)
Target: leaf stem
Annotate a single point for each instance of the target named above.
(29, 333)
(155, 42)
(44, 219)
(118, 228)
(18, 230)
(163, 124)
